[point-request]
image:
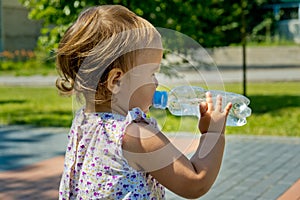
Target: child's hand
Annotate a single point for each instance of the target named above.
(213, 119)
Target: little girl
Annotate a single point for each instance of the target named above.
(109, 56)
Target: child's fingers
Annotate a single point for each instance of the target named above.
(227, 108)
(209, 101)
(219, 103)
(203, 108)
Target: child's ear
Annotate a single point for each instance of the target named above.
(113, 80)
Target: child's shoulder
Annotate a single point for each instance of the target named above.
(143, 145)
(143, 137)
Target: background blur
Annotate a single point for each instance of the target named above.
(254, 45)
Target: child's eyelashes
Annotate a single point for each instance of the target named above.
(155, 74)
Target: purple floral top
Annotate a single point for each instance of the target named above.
(95, 167)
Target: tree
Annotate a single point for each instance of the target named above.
(209, 22)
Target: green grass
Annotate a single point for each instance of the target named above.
(36, 106)
(27, 68)
(275, 106)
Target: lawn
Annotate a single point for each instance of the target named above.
(275, 109)
(34, 105)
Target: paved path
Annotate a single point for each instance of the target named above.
(192, 76)
(231, 75)
(261, 168)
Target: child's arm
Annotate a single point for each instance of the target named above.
(148, 149)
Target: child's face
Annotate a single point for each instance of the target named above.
(139, 83)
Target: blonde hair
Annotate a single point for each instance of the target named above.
(102, 38)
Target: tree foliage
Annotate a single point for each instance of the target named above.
(209, 22)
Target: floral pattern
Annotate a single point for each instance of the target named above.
(95, 167)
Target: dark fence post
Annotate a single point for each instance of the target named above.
(244, 35)
(1, 28)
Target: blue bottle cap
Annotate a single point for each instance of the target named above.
(160, 99)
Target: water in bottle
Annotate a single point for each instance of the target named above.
(185, 100)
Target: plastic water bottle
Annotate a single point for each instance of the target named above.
(185, 100)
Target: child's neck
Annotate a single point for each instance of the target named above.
(90, 108)
(105, 107)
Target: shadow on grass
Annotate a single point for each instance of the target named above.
(14, 101)
(56, 118)
(261, 104)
